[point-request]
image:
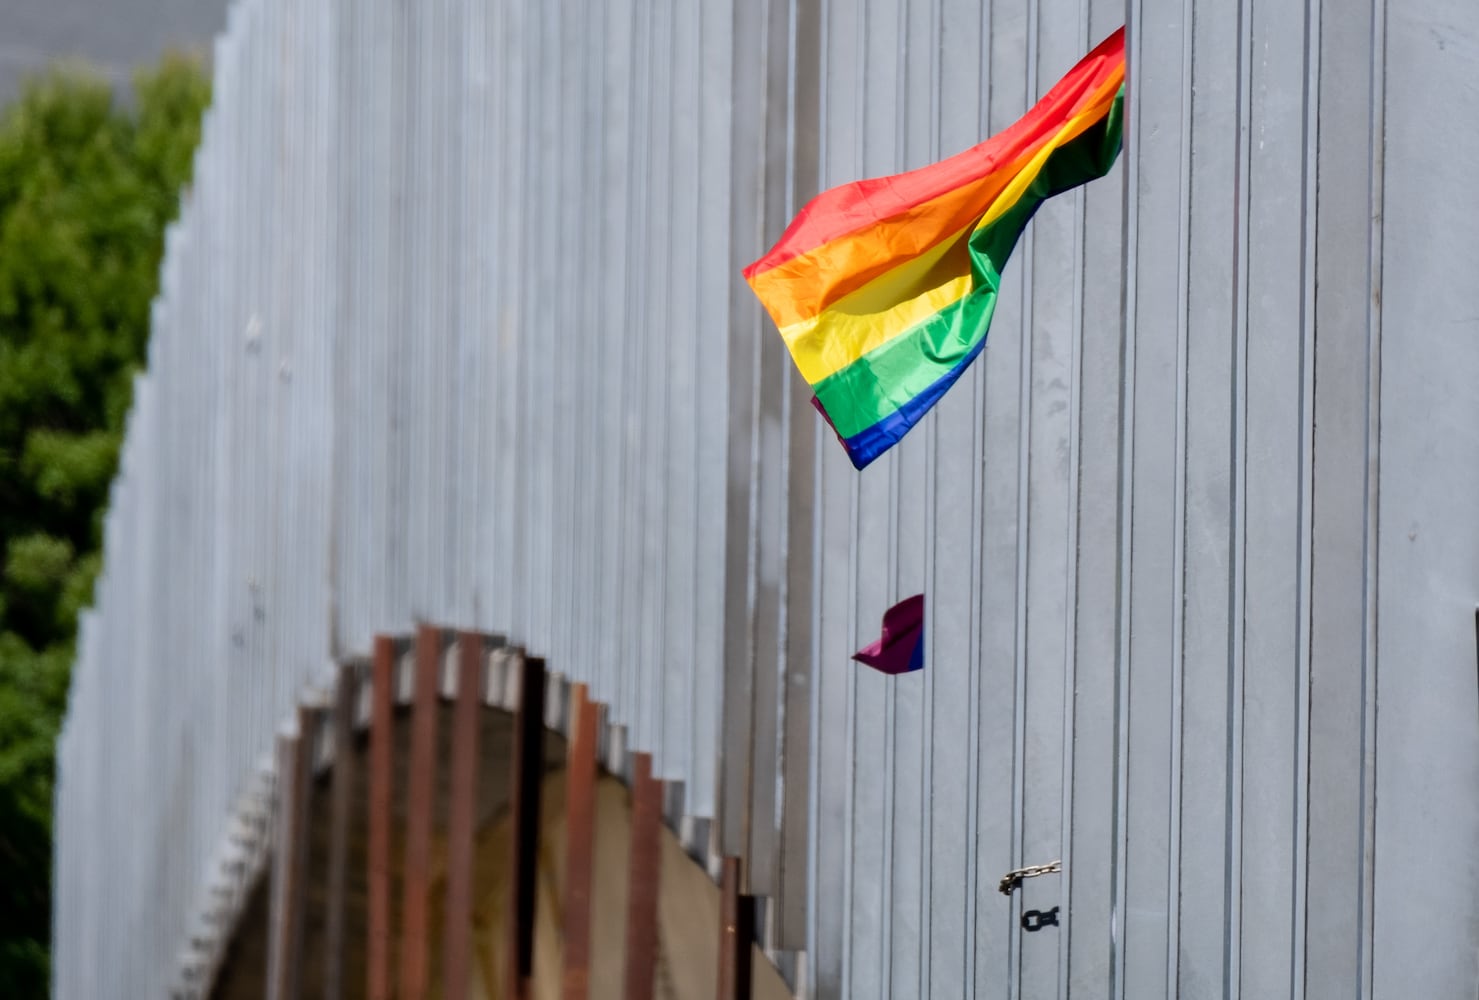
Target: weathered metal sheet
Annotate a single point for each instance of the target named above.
(1419, 729)
(451, 330)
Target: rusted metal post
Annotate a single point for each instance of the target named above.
(382, 796)
(420, 805)
(736, 934)
(642, 944)
(462, 812)
(344, 776)
(285, 946)
(580, 828)
(526, 784)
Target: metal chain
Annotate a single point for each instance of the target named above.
(1012, 879)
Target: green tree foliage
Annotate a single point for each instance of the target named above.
(87, 183)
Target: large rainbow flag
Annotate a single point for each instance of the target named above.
(884, 289)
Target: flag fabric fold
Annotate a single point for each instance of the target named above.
(883, 289)
(900, 649)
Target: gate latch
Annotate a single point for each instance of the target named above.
(1036, 920)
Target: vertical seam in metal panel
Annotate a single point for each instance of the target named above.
(850, 741)
(471, 190)
(518, 223)
(545, 394)
(697, 320)
(1071, 568)
(931, 502)
(338, 388)
(618, 363)
(1124, 502)
(854, 517)
(775, 921)
(397, 472)
(974, 640)
(752, 509)
(1366, 935)
(576, 590)
(1237, 502)
(586, 471)
(803, 535)
(447, 298)
(662, 754)
(733, 769)
(694, 753)
(700, 758)
(577, 544)
(1303, 623)
(1178, 518)
(818, 557)
(630, 302)
(814, 713)
(890, 691)
(1024, 499)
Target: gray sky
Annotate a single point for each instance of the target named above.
(114, 35)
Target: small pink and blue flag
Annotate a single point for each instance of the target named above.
(900, 649)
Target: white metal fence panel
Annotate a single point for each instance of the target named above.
(451, 329)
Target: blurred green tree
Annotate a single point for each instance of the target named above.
(88, 181)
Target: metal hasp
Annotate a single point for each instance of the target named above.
(1036, 920)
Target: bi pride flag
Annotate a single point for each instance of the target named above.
(884, 289)
(900, 648)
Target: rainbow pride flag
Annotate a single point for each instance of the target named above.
(884, 289)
